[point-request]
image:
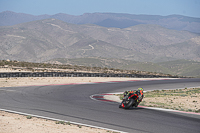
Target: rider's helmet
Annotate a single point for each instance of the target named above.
(140, 89)
(125, 93)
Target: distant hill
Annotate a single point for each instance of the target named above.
(117, 20)
(50, 38)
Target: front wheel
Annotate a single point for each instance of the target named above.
(128, 103)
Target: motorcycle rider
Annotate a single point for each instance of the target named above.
(139, 93)
(140, 96)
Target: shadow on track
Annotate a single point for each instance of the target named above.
(133, 108)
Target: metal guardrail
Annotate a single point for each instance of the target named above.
(72, 74)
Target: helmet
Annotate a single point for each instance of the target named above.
(126, 92)
(140, 89)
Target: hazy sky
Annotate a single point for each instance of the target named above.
(78, 7)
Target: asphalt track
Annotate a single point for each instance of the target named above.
(73, 103)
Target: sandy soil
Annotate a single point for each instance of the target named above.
(183, 102)
(14, 123)
(175, 102)
(26, 81)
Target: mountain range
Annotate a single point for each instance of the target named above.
(117, 20)
(51, 38)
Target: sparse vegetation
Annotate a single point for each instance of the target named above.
(47, 67)
(170, 68)
(79, 126)
(29, 117)
(61, 122)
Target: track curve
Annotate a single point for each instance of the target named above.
(73, 103)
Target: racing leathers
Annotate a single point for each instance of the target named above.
(140, 96)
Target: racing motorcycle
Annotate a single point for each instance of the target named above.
(129, 100)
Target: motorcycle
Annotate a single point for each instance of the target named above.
(129, 100)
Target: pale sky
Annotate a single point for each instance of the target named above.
(78, 7)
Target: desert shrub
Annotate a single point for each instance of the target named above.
(29, 117)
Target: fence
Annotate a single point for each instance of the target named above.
(72, 74)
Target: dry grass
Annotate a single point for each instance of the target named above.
(180, 99)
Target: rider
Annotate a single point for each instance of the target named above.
(140, 96)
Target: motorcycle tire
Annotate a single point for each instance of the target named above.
(129, 104)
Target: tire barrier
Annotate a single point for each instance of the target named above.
(73, 74)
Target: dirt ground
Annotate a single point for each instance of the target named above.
(14, 123)
(12, 82)
(187, 99)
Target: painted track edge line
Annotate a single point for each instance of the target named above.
(54, 119)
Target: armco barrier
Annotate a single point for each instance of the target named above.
(72, 74)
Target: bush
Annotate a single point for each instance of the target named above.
(68, 123)
(190, 110)
(29, 117)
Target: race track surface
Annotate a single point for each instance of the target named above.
(73, 103)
